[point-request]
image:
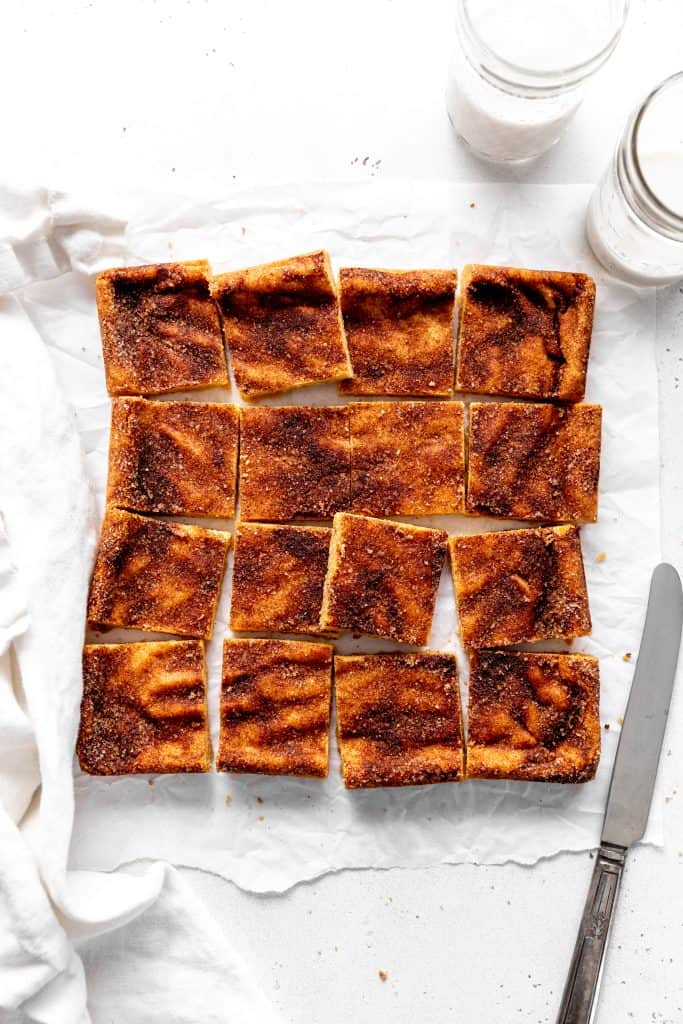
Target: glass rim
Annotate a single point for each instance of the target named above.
(509, 76)
(667, 220)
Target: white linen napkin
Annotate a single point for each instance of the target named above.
(154, 952)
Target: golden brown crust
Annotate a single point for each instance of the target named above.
(174, 457)
(533, 717)
(294, 462)
(399, 327)
(144, 709)
(514, 586)
(524, 333)
(534, 461)
(155, 575)
(407, 458)
(398, 719)
(283, 325)
(160, 329)
(382, 578)
(278, 577)
(275, 707)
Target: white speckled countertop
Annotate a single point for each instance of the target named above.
(191, 96)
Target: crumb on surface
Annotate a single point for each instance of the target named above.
(601, 557)
(383, 976)
(228, 800)
(607, 726)
(627, 656)
(620, 720)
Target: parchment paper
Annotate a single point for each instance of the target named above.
(267, 834)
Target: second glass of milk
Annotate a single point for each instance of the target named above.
(520, 68)
(635, 218)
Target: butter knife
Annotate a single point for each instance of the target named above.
(630, 793)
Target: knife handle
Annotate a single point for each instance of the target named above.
(578, 999)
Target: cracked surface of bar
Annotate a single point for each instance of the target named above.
(144, 709)
(524, 333)
(533, 716)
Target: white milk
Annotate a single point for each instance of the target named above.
(624, 244)
(538, 37)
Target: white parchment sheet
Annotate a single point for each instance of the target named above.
(267, 834)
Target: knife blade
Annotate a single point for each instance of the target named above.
(630, 793)
(642, 734)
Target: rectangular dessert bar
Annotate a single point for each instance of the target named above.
(283, 325)
(516, 586)
(407, 458)
(524, 333)
(154, 575)
(294, 462)
(398, 719)
(382, 578)
(144, 709)
(278, 577)
(533, 461)
(533, 717)
(399, 327)
(160, 329)
(178, 458)
(275, 707)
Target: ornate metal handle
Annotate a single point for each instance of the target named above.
(578, 1000)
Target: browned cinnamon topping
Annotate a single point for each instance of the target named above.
(534, 461)
(160, 329)
(275, 707)
(520, 585)
(174, 457)
(399, 326)
(382, 578)
(283, 325)
(294, 462)
(533, 717)
(144, 709)
(278, 576)
(398, 719)
(407, 458)
(524, 333)
(155, 575)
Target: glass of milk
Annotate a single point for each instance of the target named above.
(635, 218)
(520, 68)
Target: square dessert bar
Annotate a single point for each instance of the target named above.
(533, 717)
(283, 325)
(524, 333)
(534, 461)
(398, 719)
(399, 328)
(407, 458)
(278, 577)
(154, 575)
(275, 707)
(144, 709)
(382, 578)
(174, 457)
(294, 462)
(160, 329)
(520, 585)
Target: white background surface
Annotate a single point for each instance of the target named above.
(193, 96)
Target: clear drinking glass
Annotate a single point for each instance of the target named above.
(635, 217)
(520, 69)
